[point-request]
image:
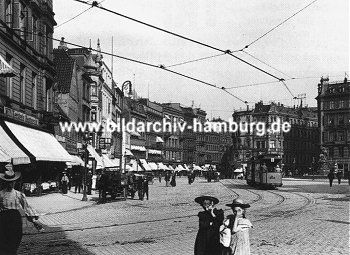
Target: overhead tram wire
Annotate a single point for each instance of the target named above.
(136, 61)
(261, 61)
(229, 52)
(76, 16)
(278, 25)
(195, 60)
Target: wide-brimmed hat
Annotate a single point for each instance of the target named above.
(200, 199)
(238, 203)
(9, 175)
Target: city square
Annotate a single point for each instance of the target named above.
(304, 216)
(200, 127)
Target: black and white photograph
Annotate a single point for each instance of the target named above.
(152, 127)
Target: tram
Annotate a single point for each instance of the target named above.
(264, 171)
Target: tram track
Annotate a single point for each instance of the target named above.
(50, 236)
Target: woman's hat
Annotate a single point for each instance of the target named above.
(9, 175)
(238, 203)
(200, 199)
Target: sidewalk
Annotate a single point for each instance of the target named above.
(58, 202)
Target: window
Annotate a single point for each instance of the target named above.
(8, 80)
(9, 13)
(341, 136)
(272, 144)
(341, 104)
(34, 89)
(331, 152)
(258, 145)
(48, 95)
(23, 20)
(331, 105)
(341, 152)
(22, 83)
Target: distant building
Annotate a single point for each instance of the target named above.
(154, 140)
(200, 158)
(173, 140)
(298, 148)
(333, 102)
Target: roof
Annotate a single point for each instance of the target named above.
(64, 65)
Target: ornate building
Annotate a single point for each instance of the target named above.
(333, 102)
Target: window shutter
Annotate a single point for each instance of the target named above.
(16, 15)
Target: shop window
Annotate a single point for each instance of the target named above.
(341, 152)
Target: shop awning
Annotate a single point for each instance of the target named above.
(8, 149)
(128, 153)
(186, 167)
(171, 168)
(138, 148)
(4, 157)
(135, 167)
(180, 168)
(153, 165)
(145, 165)
(93, 153)
(5, 69)
(195, 167)
(156, 152)
(159, 140)
(238, 170)
(42, 145)
(134, 133)
(108, 163)
(161, 166)
(77, 161)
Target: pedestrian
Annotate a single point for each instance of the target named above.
(89, 182)
(64, 183)
(167, 179)
(160, 177)
(173, 180)
(189, 178)
(11, 203)
(145, 187)
(331, 177)
(78, 181)
(208, 239)
(140, 187)
(234, 233)
(339, 176)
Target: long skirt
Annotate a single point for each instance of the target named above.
(64, 187)
(10, 231)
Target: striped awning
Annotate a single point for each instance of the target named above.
(8, 149)
(43, 146)
(161, 166)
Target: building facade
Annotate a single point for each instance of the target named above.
(298, 148)
(333, 102)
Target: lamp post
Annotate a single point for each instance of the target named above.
(86, 138)
(124, 86)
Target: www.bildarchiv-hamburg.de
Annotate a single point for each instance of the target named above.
(260, 128)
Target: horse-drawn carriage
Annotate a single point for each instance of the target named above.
(112, 183)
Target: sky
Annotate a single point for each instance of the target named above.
(313, 43)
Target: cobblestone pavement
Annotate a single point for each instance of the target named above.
(302, 217)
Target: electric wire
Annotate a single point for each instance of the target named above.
(195, 60)
(278, 25)
(229, 52)
(136, 61)
(76, 16)
(261, 61)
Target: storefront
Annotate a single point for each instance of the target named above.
(39, 157)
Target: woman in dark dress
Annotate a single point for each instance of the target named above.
(208, 238)
(173, 180)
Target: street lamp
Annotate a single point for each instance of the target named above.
(86, 138)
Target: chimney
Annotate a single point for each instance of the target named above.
(63, 44)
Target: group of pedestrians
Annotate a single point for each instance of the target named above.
(331, 176)
(218, 235)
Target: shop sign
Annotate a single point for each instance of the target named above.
(21, 116)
